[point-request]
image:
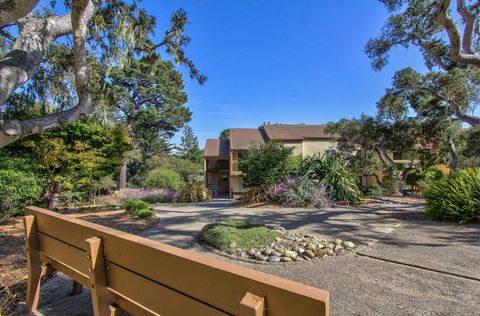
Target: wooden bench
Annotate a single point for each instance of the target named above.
(129, 273)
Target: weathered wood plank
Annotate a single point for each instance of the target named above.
(33, 263)
(214, 282)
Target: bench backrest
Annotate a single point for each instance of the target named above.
(142, 276)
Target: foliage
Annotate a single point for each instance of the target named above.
(17, 189)
(138, 208)
(75, 156)
(300, 192)
(244, 234)
(190, 171)
(422, 179)
(375, 191)
(391, 183)
(162, 178)
(225, 134)
(332, 173)
(469, 147)
(188, 148)
(256, 195)
(147, 195)
(194, 192)
(455, 197)
(265, 165)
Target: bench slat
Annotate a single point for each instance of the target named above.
(214, 282)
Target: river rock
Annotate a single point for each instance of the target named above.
(290, 254)
(320, 253)
(330, 252)
(285, 259)
(260, 257)
(251, 252)
(276, 253)
(267, 251)
(274, 259)
(311, 247)
(348, 244)
(309, 253)
(338, 249)
(338, 241)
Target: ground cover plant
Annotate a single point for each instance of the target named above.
(238, 234)
(455, 197)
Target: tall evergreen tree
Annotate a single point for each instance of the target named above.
(188, 148)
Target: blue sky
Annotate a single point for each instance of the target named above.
(281, 61)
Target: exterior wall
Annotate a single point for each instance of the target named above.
(315, 146)
(235, 186)
(296, 145)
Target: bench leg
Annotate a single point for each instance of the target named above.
(33, 263)
(77, 288)
(98, 278)
(252, 305)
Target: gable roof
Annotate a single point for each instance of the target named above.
(243, 138)
(295, 132)
(217, 148)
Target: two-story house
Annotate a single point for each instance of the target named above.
(221, 155)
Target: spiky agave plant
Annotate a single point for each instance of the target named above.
(331, 172)
(455, 197)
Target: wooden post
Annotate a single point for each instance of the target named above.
(33, 263)
(252, 305)
(98, 278)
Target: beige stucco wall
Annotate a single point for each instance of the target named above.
(296, 145)
(235, 186)
(313, 147)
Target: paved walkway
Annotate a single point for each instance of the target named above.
(406, 265)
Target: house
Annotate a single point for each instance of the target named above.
(221, 155)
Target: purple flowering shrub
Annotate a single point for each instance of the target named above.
(300, 192)
(147, 195)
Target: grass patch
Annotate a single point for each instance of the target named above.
(244, 234)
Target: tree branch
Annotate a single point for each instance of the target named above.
(13, 10)
(19, 65)
(470, 21)
(455, 37)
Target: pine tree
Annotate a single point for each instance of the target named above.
(188, 148)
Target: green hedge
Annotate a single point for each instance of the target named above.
(455, 197)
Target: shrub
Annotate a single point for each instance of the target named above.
(17, 189)
(161, 178)
(194, 192)
(422, 179)
(138, 208)
(391, 182)
(332, 173)
(244, 234)
(256, 195)
(265, 165)
(375, 191)
(300, 192)
(455, 197)
(145, 214)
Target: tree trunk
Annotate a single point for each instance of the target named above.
(453, 154)
(53, 196)
(122, 176)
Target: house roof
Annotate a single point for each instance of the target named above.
(295, 132)
(244, 138)
(217, 148)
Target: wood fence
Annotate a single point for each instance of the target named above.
(144, 277)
